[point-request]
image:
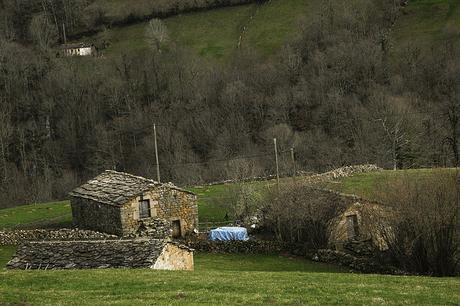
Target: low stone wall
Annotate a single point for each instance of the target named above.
(87, 254)
(341, 172)
(16, 237)
(243, 247)
(154, 228)
(361, 264)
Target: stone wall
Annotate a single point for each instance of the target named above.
(341, 172)
(16, 237)
(242, 247)
(357, 263)
(140, 253)
(154, 228)
(172, 204)
(88, 214)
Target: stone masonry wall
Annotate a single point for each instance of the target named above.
(168, 204)
(176, 205)
(87, 254)
(16, 237)
(88, 214)
(154, 228)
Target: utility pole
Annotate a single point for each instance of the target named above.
(156, 151)
(293, 163)
(64, 33)
(277, 166)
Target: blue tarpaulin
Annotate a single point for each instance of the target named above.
(228, 233)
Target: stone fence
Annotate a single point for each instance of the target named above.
(345, 171)
(363, 264)
(242, 247)
(140, 253)
(16, 237)
(341, 172)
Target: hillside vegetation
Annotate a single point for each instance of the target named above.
(428, 22)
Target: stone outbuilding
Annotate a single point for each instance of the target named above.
(123, 204)
(158, 254)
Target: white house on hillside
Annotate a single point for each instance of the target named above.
(79, 49)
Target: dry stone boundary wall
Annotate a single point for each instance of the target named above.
(17, 237)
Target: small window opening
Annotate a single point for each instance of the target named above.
(144, 209)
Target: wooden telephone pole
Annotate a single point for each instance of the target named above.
(277, 165)
(156, 151)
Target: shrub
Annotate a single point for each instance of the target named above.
(301, 214)
(424, 232)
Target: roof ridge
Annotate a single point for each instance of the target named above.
(135, 176)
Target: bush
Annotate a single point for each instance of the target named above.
(424, 230)
(301, 214)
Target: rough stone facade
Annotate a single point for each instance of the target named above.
(16, 237)
(113, 203)
(138, 253)
(90, 214)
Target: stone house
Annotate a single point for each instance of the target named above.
(123, 204)
(158, 254)
(78, 49)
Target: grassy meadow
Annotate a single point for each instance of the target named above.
(226, 280)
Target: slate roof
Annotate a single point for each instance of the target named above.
(117, 188)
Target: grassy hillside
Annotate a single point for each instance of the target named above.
(226, 280)
(428, 22)
(216, 33)
(36, 215)
(368, 185)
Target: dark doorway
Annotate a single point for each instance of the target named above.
(176, 231)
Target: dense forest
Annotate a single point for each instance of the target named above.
(339, 93)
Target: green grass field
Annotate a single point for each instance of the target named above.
(35, 215)
(226, 280)
(368, 185)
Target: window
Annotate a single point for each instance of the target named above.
(144, 209)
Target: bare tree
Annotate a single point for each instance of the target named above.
(43, 33)
(157, 34)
